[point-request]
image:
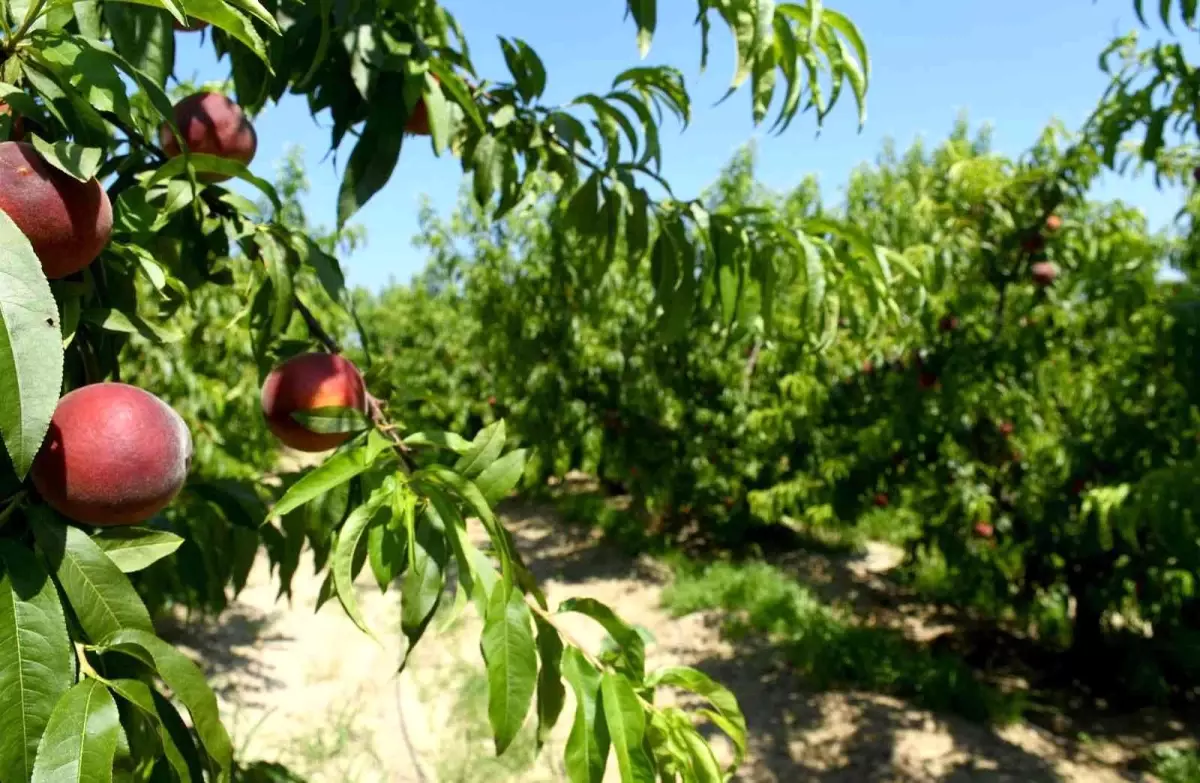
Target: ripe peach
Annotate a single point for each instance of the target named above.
(68, 222)
(1044, 273)
(984, 529)
(115, 455)
(927, 380)
(882, 500)
(1006, 428)
(212, 125)
(949, 323)
(307, 382)
(418, 121)
(1053, 223)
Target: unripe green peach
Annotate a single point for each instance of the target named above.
(115, 455)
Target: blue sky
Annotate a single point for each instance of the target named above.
(1014, 64)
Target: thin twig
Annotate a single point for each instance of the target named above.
(567, 637)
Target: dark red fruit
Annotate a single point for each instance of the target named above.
(927, 380)
(1006, 428)
(881, 500)
(984, 529)
(949, 323)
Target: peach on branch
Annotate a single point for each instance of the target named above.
(67, 222)
(211, 124)
(114, 455)
(304, 384)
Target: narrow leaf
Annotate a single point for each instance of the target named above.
(102, 597)
(586, 752)
(499, 478)
(335, 471)
(135, 548)
(31, 349)
(81, 738)
(627, 724)
(509, 653)
(36, 664)
(188, 685)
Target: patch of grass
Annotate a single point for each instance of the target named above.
(468, 752)
(1172, 765)
(338, 750)
(827, 647)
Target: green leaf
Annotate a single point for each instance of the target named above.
(445, 440)
(75, 160)
(178, 748)
(200, 163)
(728, 716)
(529, 73)
(424, 580)
(347, 547)
(586, 752)
(386, 552)
(335, 471)
(511, 659)
(627, 639)
(375, 155)
(135, 548)
(488, 165)
(551, 695)
(144, 37)
(499, 478)
(645, 16)
(333, 419)
(31, 350)
(111, 320)
(36, 662)
(484, 450)
(80, 742)
(187, 684)
(627, 725)
(102, 597)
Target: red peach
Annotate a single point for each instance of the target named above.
(67, 222)
(211, 124)
(305, 383)
(114, 455)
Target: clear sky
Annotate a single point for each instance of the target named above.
(1014, 64)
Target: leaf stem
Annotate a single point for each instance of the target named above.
(13, 504)
(31, 16)
(567, 637)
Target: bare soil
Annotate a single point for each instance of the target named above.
(308, 689)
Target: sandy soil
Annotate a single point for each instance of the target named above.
(311, 691)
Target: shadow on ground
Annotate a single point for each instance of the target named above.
(228, 647)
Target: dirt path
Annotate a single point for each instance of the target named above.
(311, 691)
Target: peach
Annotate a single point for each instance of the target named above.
(305, 383)
(211, 124)
(114, 455)
(1044, 273)
(68, 222)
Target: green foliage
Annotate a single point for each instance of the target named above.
(1172, 765)
(828, 647)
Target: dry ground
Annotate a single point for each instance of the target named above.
(311, 691)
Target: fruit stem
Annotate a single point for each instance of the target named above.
(13, 504)
(378, 417)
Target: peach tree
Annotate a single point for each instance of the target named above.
(123, 245)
